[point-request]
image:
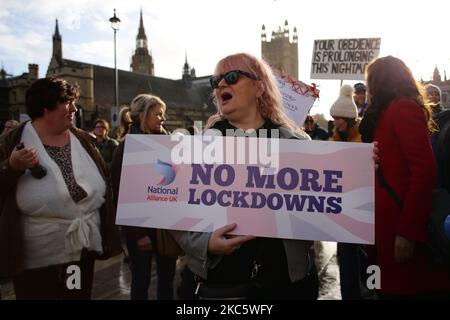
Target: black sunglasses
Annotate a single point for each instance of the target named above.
(231, 77)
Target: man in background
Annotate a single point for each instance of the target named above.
(313, 129)
(359, 97)
(106, 145)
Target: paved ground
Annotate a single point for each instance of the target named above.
(328, 271)
(112, 277)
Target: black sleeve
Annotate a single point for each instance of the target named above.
(322, 134)
(116, 170)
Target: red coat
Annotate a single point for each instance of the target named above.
(409, 167)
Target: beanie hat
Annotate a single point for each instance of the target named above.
(344, 106)
(429, 88)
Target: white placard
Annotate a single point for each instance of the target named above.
(298, 97)
(343, 59)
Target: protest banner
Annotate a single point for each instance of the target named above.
(321, 190)
(343, 59)
(298, 97)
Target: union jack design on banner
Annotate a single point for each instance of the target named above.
(321, 191)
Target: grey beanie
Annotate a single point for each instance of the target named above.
(344, 106)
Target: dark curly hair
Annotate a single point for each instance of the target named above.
(46, 93)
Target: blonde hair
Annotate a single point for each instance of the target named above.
(269, 104)
(145, 103)
(124, 126)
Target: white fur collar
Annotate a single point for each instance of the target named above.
(49, 211)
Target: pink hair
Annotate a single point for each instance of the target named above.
(269, 104)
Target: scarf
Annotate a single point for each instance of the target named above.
(56, 228)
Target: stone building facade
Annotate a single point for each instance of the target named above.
(279, 51)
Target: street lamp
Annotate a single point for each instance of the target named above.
(115, 22)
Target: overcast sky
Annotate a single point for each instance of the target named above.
(208, 30)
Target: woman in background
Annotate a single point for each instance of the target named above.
(351, 256)
(148, 115)
(124, 122)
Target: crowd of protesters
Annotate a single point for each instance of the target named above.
(67, 216)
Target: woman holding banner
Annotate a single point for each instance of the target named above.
(226, 266)
(399, 120)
